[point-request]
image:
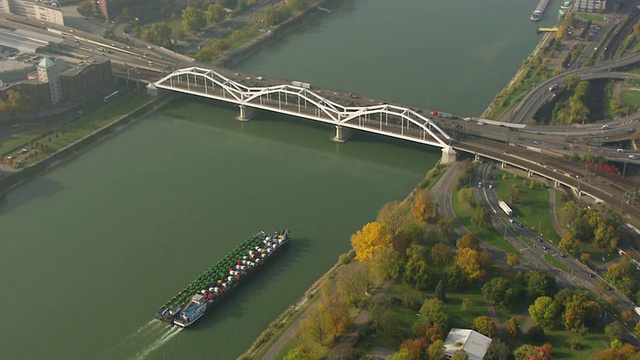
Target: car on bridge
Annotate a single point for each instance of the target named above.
(553, 87)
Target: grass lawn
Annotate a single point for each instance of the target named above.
(630, 98)
(465, 320)
(11, 143)
(592, 17)
(464, 213)
(590, 344)
(597, 255)
(532, 208)
(87, 124)
(557, 264)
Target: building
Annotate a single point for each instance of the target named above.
(59, 83)
(49, 72)
(592, 5)
(473, 343)
(43, 10)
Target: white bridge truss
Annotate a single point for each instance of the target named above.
(386, 119)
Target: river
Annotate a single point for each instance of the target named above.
(91, 249)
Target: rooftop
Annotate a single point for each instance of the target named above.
(473, 343)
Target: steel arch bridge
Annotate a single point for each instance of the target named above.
(386, 119)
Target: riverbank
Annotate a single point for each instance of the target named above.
(78, 147)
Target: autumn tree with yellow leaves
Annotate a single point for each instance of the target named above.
(422, 206)
(372, 237)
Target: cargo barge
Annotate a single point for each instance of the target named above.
(537, 13)
(192, 302)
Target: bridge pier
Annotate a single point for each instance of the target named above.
(342, 134)
(246, 113)
(448, 155)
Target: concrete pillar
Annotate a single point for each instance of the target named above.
(476, 157)
(342, 134)
(528, 173)
(503, 165)
(556, 184)
(152, 90)
(246, 113)
(448, 155)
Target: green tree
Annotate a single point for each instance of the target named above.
(512, 330)
(569, 244)
(540, 283)
(441, 255)
(351, 284)
(299, 353)
(498, 351)
(484, 325)
(314, 326)
(372, 237)
(436, 350)
(512, 259)
(435, 311)
(276, 14)
(17, 103)
(460, 355)
(614, 331)
(481, 218)
(465, 195)
(159, 34)
(606, 238)
(544, 312)
(498, 291)
(467, 305)
(447, 227)
(465, 174)
(440, 291)
(215, 14)
(416, 272)
(385, 263)
(403, 354)
(193, 19)
(383, 319)
(85, 8)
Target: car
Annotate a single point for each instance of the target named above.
(490, 186)
(632, 157)
(553, 87)
(589, 274)
(480, 123)
(609, 288)
(604, 127)
(24, 151)
(619, 150)
(544, 248)
(539, 239)
(563, 255)
(519, 224)
(480, 184)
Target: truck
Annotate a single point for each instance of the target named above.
(443, 115)
(507, 210)
(301, 84)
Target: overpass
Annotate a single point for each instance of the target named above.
(301, 101)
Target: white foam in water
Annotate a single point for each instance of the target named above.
(166, 336)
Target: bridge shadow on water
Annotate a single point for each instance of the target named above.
(236, 303)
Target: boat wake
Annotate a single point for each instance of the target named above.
(143, 341)
(163, 339)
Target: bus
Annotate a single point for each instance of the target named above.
(111, 96)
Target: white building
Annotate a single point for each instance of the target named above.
(473, 343)
(49, 72)
(44, 10)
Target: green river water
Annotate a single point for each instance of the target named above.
(93, 248)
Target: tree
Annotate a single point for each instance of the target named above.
(465, 195)
(422, 206)
(498, 351)
(465, 174)
(193, 19)
(474, 265)
(440, 292)
(530, 352)
(626, 316)
(460, 355)
(416, 271)
(536, 334)
(514, 194)
(435, 311)
(392, 216)
(335, 311)
(436, 350)
(273, 15)
(614, 331)
(468, 241)
(636, 329)
(540, 283)
(544, 312)
(454, 278)
(467, 304)
(481, 218)
(580, 312)
(314, 326)
(403, 354)
(585, 258)
(215, 14)
(159, 34)
(383, 319)
(512, 330)
(85, 9)
(416, 347)
(512, 259)
(385, 263)
(441, 255)
(299, 353)
(484, 325)
(447, 227)
(569, 244)
(17, 103)
(606, 238)
(372, 237)
(498, 290)
(352, 285)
